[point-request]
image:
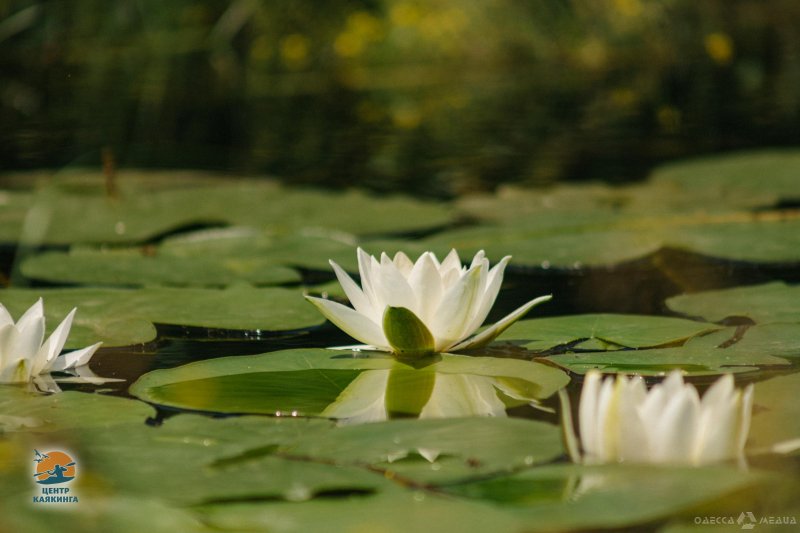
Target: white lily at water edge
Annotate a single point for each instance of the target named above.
(619, 420)
(24, 353)
(423, 307)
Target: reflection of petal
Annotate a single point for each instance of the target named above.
(18, 422)
(457, 395)
(363, 401)
(45, 383)
(83, 374)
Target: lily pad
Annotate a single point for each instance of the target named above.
(551, 498)
(766, 175)
(134, 268)
(318, 381)
(120, 317)
(613, 331)
(699, 356)
(66, 410)
(770, 302)
(56, 215)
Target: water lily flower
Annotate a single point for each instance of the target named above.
(621, 421)
(25, 355)
(423, 307)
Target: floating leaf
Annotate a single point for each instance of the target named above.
(613, 331)
(121, 317)
(551, 498)
(133, 268)
(306, 381)
(56, 215)
(699, 356)
(770, 302)
(67, 410)
(766, 176)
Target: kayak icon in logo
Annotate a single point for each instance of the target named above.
(53, 467)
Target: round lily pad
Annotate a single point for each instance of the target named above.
(55, 214)
(120, 317)
(333, 383)
(699, 356)
(137, 267)
(766, 303)
(613, 331)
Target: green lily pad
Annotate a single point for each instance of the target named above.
(766, 175)
(770, 302)
(699, 356)
(318, 381)
(494, 445)
(567, 497)
(116, 514)
(739, 236)
(551, 498)
(120, 317)
(66, 410)
(613, 331)
(57, 214)
(132, 268)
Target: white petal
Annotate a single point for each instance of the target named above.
(480, 258)
(354, 324)
(450, 270)
(449, 325)
(676, 430)
(403, 263)
(365, 272)
(5, 317)
(634, 443)
(491, 289)
(489, 334)
(607, 428)
(745, 413)
(426, 283)
(30, 338)
(392, 288)
(53, 345)
(429, 453)
(35, 311)
(74, 359)
(588, 411)
(10, 369)
(357, 298)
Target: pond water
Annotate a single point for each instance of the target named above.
(183, 173)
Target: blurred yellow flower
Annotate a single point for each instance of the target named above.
(719, 47)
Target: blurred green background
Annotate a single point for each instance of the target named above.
(435, 98)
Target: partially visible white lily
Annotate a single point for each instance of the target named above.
(26, 356)
(621, 421)
(423, 307)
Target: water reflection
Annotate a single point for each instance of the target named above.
(402, 392)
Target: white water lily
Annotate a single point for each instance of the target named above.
(423, 307)
(621, 421)
(25, 355)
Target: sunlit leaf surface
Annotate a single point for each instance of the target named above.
(120, 317)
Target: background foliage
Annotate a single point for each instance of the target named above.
(438, 97)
